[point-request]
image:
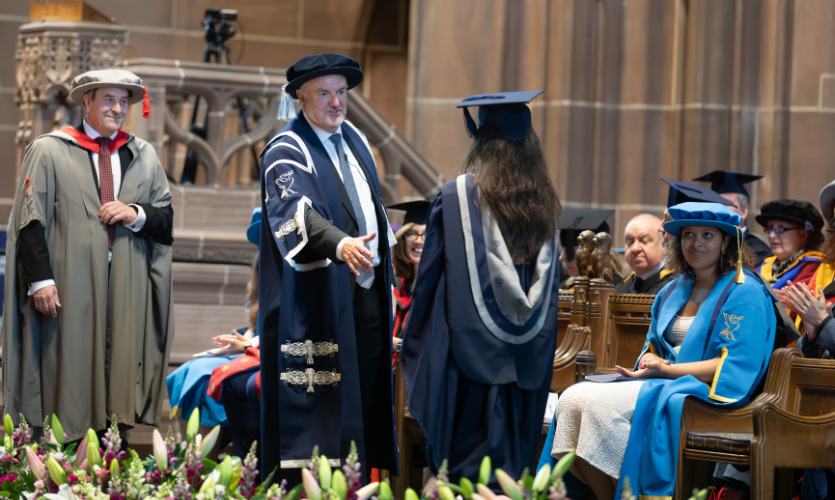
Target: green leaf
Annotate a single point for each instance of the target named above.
(562, 466)
(210, 464)
(269, 481)
(454, 487)
(5, 494)
(527, 482)
(484, 471)
(466, 488)
(294, 493)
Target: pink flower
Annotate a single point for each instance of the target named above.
(8, 477)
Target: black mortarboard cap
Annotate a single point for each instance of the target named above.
(574, 221)
(723, 181)
(505, 114)
(416, 211)
(683, 192)
(310, 67)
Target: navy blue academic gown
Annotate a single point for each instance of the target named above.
(306, 296)
(477, 371)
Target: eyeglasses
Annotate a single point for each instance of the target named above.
(414, 235)
(778, 230)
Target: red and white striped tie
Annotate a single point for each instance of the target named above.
(106, 184)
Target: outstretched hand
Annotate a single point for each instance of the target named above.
(234, 343)
(650, 368)
(356, 255)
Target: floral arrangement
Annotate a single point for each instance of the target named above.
(99, 469)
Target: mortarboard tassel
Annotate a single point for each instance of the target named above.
(286, 109)
(739, 277)
(146, 105)
(469, 124)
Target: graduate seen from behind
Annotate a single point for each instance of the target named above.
(89, 318)
(479, 345)
(711, 337)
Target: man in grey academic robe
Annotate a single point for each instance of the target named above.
(88, 318)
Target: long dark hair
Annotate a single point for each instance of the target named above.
(403, 267)
(516, 186)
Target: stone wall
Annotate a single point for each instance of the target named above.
(272, 33)
(636, 90)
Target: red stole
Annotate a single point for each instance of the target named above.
(250, 359)
(92, 145)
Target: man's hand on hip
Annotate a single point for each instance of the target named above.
(116, 211)
(356, 255)
(46, 301)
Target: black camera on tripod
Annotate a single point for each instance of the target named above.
(219, 25)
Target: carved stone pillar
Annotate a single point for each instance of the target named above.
(578, 307)
(49, 55)
(597, 318)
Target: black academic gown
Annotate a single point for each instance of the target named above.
(650, 286)
(476, 383)
(308, 293)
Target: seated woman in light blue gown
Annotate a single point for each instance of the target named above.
(188, 384)
(712, 333)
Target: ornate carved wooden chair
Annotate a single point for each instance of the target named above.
(620, 333)
(576, 338)
(712, 435)
(800, 433)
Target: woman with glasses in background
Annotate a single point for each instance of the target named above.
(407, 252)
(794, 230)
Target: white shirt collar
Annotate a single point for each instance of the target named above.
(93, 133)
(322, 134)
(657, 269)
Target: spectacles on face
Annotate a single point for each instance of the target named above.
(414, 235)
(778, 230)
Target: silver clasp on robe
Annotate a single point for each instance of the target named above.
(310, 377)
(308, 349)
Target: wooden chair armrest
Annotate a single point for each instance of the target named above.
(698, 415)
(564, 374)
(791, 440)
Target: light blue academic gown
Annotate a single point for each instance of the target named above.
(736, 323)
(187, 386)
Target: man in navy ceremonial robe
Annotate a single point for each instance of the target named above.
(325, 306)
(478, 349)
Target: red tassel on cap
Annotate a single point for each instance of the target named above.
(146, 105)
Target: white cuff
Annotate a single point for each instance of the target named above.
(34, 287)
(139, 222)
(339, 247)
(255, 342)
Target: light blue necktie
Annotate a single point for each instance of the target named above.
(365, 279)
